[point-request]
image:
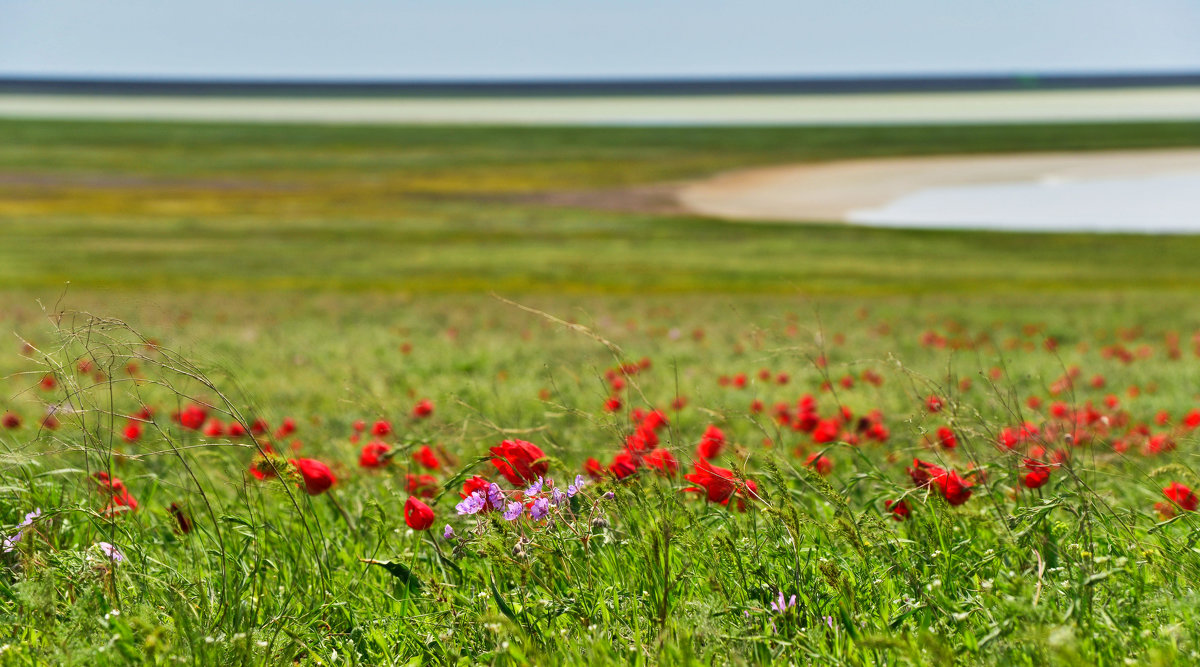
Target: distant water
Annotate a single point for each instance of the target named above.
(1158, 204)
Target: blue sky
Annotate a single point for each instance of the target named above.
(482, 39)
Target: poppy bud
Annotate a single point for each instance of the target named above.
(417, 514)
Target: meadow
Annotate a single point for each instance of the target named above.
(755, 443)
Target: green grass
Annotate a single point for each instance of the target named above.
(338, 274)
(424, 210)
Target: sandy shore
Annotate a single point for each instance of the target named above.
(832, 191)
(1182, 103)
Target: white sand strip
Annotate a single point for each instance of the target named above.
(1181, 103)
(1101, 191)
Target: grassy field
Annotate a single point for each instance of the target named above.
(331, 275)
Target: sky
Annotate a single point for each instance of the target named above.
(591, 39)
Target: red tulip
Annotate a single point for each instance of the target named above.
(417, 514)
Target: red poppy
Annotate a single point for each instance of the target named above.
(48, 383)
(381, 428)
(1180, 496)
(1036, 478)
(624, 464)
(213, 428)
(822, 464)
(372, 454)
(317, 476)
(593, 469)
(417, 514)
(924, 472)
(426, 458)
(756, 406)
(827, 430)
(519, 462)
(711, 443)
(285, 429)
(474, 484)
(236, 430)
(934, 403)
(423, 408)
(115, 489)
(133, 431)
(612, 404)
(10, 420)
(192, 417)
(898, 508)
(717, 484)
(259, 426)
(663, 462)
(181, 519)
(425, 486)
(946, 437)
(953, 488)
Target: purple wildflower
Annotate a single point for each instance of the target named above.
(781, 606)
(558, 497)
(610, 495)
(471, 504)
(10, 543)
(541, 507)
(495, 496)
(534, 488)
(514, 510)
(577, 486)
(114, 554)
(448, 534)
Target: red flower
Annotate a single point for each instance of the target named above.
(716, 483)
(421, 485)
(827, 430)
(317, 476)
(10, 420)
(662, 461)
(953, 488)
(213, 428)
(372, 454)
(474, 484)
(184, 523)
(285, 429)
(236, 430)
(519, 461)
(899, 509)
(924, 472)
(711, 443)
(946, 437)
(133, 431)
(381, 428)
(259, 426)
(822, 464)
(593, 469)
(934, 403)
(48, 383)
(612, 404)
(1180, 496)
(623, 465)
(417, 514)
(425, 458)
(359, 426)
(115, 489)
(423, 408)
(654, 421)
(192, 417)
(1036, 478)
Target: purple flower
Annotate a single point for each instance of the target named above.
(471, 504)
(577, 486)
(10, 543)
(558, 497)
(534, 488)
(541, 507)
(448, 534)
(610, 495)
(495, 496)
(514, 510)
(114, 554)
(781, 606)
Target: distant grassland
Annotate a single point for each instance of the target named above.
(134, 206)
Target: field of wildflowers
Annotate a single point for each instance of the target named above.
(877, 472)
